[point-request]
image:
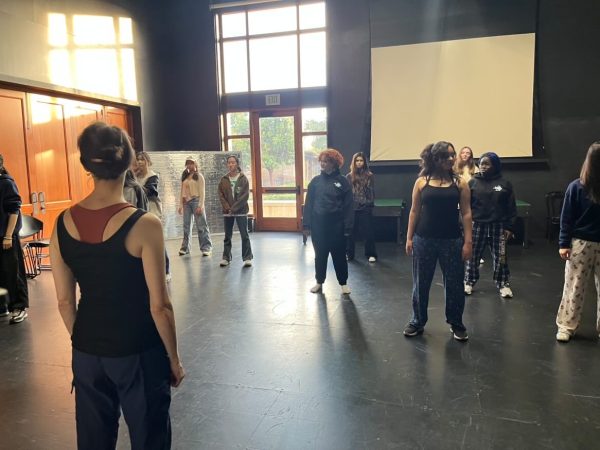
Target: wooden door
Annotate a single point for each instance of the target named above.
(118, 117)
(48, 158)
(13, 141)
(80, 115)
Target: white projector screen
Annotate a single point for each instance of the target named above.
(471, 92)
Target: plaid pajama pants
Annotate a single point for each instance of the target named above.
(491, 234)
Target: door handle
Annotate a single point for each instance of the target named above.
(34, 202)
(42, 199)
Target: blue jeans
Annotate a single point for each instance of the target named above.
(426, 253)
(189, 211)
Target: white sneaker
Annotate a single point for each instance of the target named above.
(224, 263)
(468, 289)
(248, 263)
(372, 259)
(168, 278)
(505, 292)
(206, 253)
(316, 288)
(345, 289)
(563, 336)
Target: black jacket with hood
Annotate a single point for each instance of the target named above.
(493, 200)
(10, 203)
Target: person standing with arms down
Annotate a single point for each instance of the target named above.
(122, 329)
(192, 205)
(434, 235)
(234, 191)
(329, 215)
(579, 242)
(149, 181)
(363, 190)
(12, 265)
(464, 166)
(494, 212)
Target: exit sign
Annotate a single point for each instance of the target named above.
(272, 100)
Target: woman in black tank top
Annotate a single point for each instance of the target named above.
(122, 329)
(434, 234)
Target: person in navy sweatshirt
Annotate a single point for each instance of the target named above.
(494, 212)
(329, 215)
(12, 265)
(579, 243)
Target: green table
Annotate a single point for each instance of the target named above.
(392, 207)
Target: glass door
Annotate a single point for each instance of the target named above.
(278, 160)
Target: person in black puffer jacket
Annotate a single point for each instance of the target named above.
(329, 215)
(494, 214)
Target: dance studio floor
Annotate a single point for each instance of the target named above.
(272, 366)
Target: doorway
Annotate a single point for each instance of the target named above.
(278, 162)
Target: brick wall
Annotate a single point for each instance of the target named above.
(169, 166)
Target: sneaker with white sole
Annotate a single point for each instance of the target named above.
(168, 278)
(459, 335)
(183, 251)
(18, 316)
(412, 331)
(224, 263)
(563, 336)
(206, 252)
(345, 289)
(372, 259)
(248, 263)
(316, 288)
(468, 289)
(506, 292)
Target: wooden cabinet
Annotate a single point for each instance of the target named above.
(38, 138)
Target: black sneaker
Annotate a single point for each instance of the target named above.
(4, 311)
(18, 316)
(411, 330)
(460, 335)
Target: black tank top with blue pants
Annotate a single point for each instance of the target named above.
(119, 360)
(438, 238)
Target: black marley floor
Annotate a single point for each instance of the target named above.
(272, 366)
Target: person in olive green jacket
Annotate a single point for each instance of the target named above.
(234, 191)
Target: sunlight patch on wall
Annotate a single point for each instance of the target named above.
(93, 54)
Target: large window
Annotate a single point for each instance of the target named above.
(271, 49)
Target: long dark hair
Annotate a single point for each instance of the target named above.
(186, 173)
(360, 177)
(106, 150)
(590, 172)
(432, 156)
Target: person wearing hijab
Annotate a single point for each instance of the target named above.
(494, 212)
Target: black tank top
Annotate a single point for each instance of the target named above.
(439, 212)
(113, 315)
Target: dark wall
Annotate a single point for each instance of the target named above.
(178, 86)
(567, 61)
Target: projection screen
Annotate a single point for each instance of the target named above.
(473, 92)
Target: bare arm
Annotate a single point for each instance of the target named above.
(413, 215)
(467, 219)
(64, 283)
(161, 308)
